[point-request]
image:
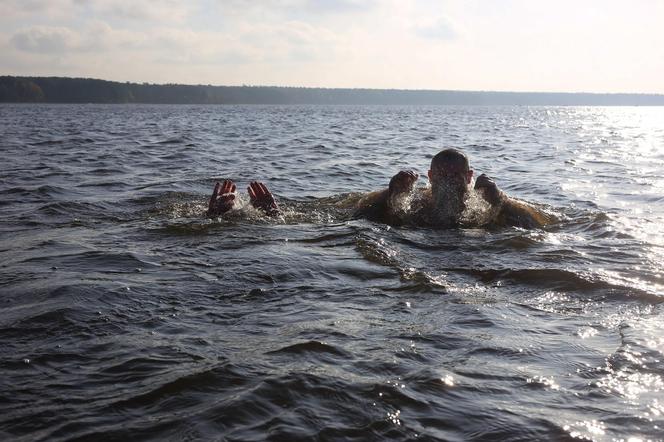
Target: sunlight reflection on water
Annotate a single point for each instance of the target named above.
(314, 325)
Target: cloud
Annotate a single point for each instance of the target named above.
(96, 36)
(313, 9)
(166, 11)
(151, 10)
(14, 8)
(45, 39)
(338, 5)
(441, 29)
(247, 43)
(386, 43)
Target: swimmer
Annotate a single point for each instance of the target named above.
(224, 195)
(443, 204)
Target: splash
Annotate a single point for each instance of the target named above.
(477, 211)
(456, 204)
(446, 204)
(326, 210)
(401, 204)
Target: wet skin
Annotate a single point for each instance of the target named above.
(488, 189)
(402, 182)
(224, 195)
(381, 205)
(453, 182)
(222, 199)
(262, 199)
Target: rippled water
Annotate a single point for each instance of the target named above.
(126, 315)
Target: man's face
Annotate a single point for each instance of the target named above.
(451, 177)
(449, 186)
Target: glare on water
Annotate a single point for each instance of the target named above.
(123, 301)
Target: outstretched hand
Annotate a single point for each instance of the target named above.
(488, 189)
(403, 182)
(261, 198)
(222, 199)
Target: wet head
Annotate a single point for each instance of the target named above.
(450, 176)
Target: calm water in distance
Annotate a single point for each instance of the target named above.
(126, 315)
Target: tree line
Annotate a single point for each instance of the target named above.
(89, 90)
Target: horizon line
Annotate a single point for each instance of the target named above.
(344, 88)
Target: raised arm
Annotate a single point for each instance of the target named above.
(509, 211)
(222, 199)
(262, 199)
(384, 205)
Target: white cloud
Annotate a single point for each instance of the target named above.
(259, 45)
(22, 8)
(46, 39)
(440, 29)
(290, 6)
(338, 5)
(96, 36)
(168, 11)
(474, 44)
(246, 44)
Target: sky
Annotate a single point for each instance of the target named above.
(500, 45)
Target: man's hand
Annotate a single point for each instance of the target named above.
(402, 182)
(262, 199)
(222, 199)
(488, 189)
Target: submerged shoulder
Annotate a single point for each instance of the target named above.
(518, 213)
(372, 205)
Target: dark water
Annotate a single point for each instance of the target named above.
(126, 315)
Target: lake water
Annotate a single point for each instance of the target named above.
(125, 314)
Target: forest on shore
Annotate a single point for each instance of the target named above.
(87, 90)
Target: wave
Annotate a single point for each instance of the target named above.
(42, 191)
(77, 208)
(94, 261)
(311, 348)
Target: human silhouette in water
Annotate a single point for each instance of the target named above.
(441, 205)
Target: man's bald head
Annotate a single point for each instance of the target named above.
(450, 159)
(450, 165)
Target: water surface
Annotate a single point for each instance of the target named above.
(125, 314)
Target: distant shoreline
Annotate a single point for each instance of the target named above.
(15, 89)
